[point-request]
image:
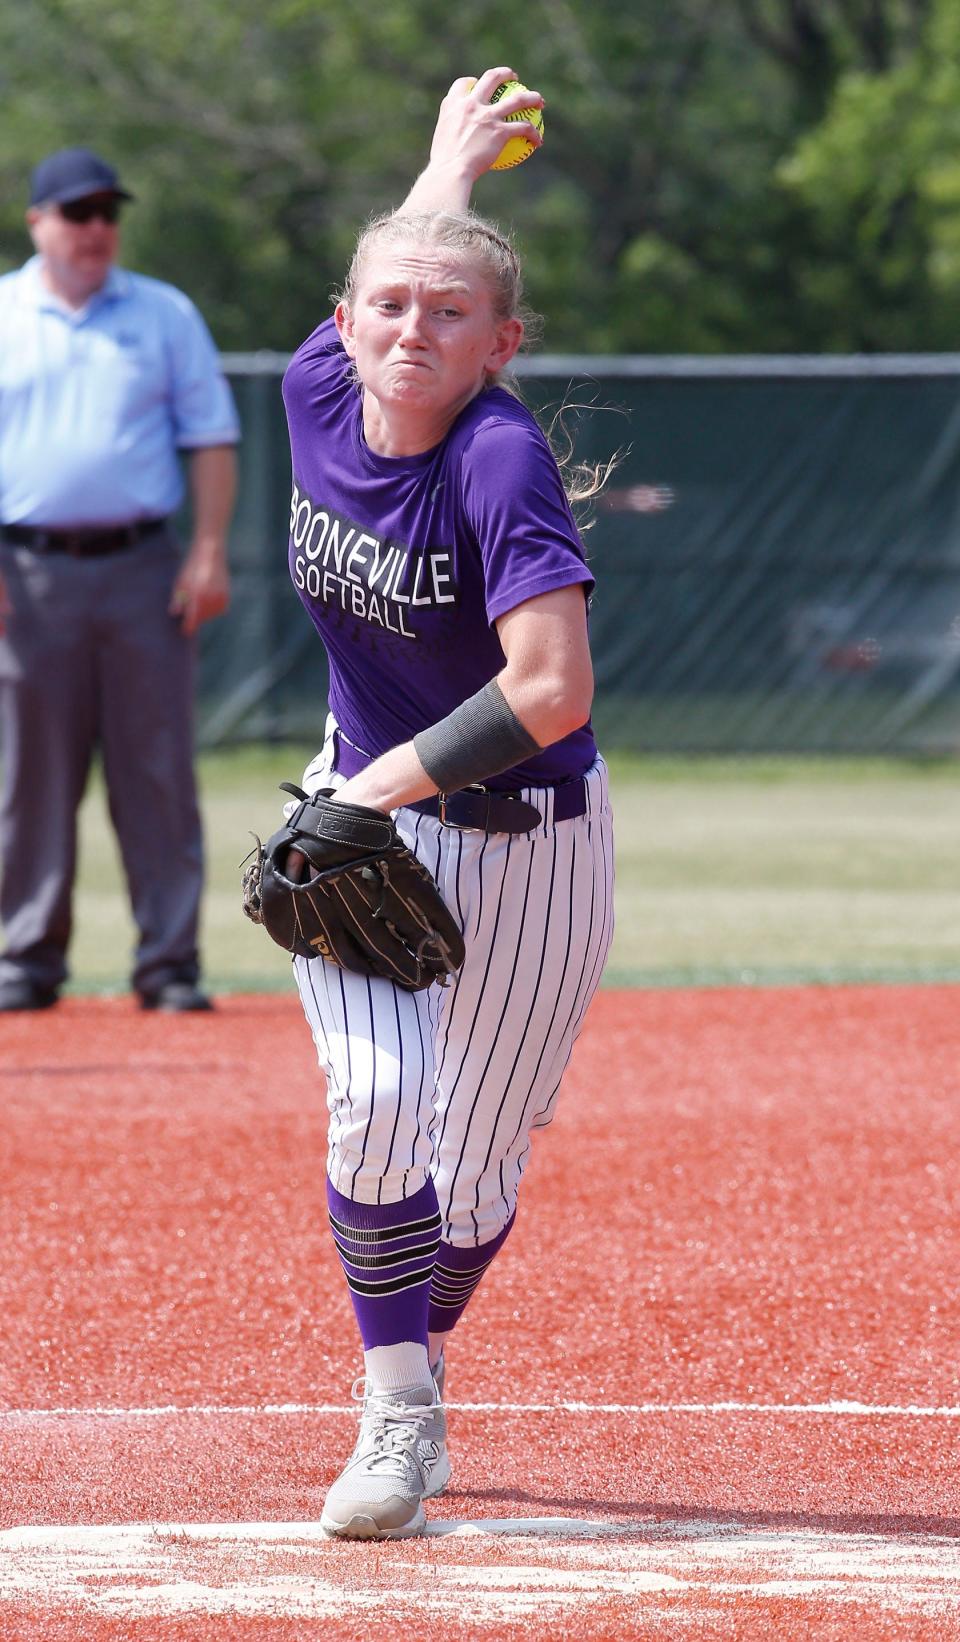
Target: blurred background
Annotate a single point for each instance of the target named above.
(721, 176)
(743, 234)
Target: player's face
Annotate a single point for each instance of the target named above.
(423, 334)
(77, 254)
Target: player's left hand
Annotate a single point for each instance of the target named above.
(201, 590)
(471, 131)
(357, 896)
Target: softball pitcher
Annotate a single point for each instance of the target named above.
(433, 546)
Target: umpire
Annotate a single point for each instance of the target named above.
(105, 376)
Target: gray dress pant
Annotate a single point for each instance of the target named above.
(90, 658)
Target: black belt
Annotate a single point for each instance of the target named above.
(477, 809)
(88, 543)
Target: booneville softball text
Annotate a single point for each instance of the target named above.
(379, 581)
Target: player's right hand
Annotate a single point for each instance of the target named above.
(471, 131)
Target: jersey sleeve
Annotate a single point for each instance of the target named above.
(203, 409)
(515, 504)
(315, 380)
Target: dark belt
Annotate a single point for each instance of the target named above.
(89, 543)
(478, 809)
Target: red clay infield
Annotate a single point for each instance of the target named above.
(711, 1389)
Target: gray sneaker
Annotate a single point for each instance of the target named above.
(439, 1376)
(399, 1461)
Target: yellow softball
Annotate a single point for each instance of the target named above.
(517, 149)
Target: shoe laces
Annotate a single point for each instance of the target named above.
(390, 1430)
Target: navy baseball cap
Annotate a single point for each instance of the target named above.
(72, 174)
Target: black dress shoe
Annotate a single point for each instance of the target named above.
(177, 997)
(20, 993)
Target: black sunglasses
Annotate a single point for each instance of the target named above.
(86, 210)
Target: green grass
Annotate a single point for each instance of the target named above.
(755, 871)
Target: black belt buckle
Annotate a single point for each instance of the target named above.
(443, 799)
(479, 809)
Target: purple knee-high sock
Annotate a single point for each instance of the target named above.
(455, 1277)
(388, 1251)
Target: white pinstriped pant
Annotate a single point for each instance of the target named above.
(453, 1081)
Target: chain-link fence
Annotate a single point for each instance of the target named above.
(777, 555)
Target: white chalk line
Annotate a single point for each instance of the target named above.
(854, 1410)
(290, 1569)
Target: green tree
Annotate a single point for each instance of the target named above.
(879, 179)
(685, 200)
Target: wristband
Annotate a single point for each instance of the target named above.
(480, 738)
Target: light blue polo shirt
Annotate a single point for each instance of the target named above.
(95, 404)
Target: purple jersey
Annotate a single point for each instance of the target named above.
(404, 563)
